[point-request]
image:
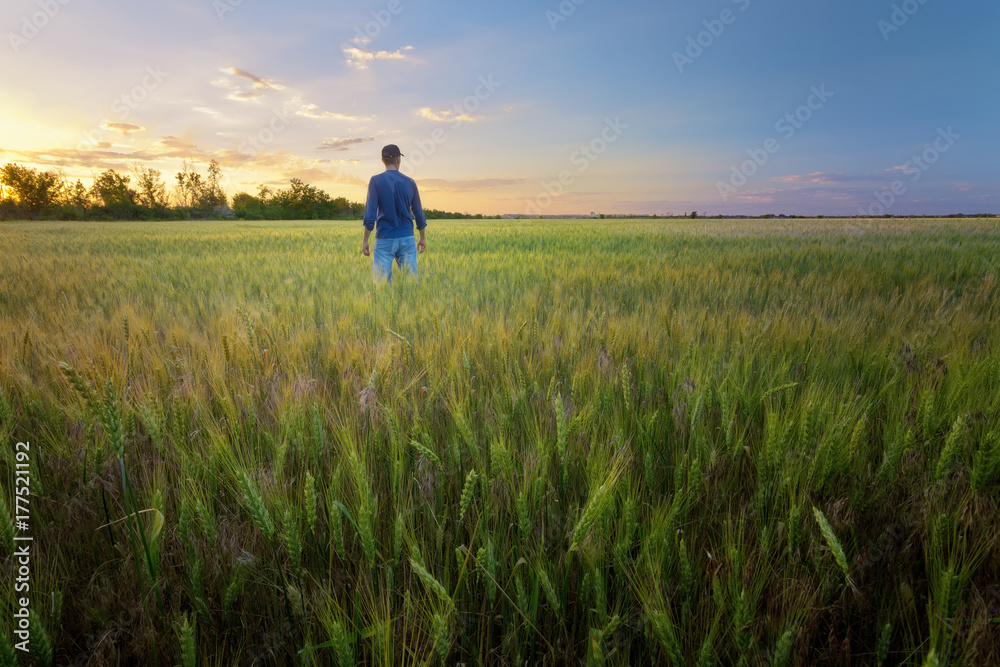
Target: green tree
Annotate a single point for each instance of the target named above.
(111, 191)
(248, 207)
(151, 191)
(33, 190)
(212, 195)
(189, 185)
(302, 201)
(77, 196)
(203, 194)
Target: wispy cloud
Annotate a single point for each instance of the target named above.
(309, 110)
(344, 144)
(169, 151)
(360, 58)
(447, 116)
(821, 178)
(101, 157)
(258, 82)
(124, 128)
(808, 193)
(243, 96)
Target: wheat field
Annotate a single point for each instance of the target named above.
(621, 442)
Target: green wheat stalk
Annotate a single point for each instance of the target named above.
(255, 504)
(431, 584)
(186, 638)
(952, 445)
(426, 453)
(549, 590)
(834, 544)
(468, 491)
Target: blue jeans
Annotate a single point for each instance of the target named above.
(403, 250)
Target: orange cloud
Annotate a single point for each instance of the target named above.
(447, 116)
(124, 128)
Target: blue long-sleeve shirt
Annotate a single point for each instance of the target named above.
(391, 199)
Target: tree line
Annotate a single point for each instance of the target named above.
(28, 193)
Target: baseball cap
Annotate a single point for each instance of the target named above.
(391, 151)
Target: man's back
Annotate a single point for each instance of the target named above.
(393, 202)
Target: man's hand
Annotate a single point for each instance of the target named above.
(365, 250)
(421, 245)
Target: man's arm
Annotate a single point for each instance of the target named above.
(371, 210)
(418, 214)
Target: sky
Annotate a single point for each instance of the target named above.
(725, 107)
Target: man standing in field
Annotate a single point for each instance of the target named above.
(392, 199)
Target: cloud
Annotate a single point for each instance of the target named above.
(821, 178)
(243, 97)
(447, 116)
(359, 58)
(175, 143)
(168, 152)
(101, 157)
(313, 111)
(469, 185)
(341, 161)
(813, 191)
(294, 101)
(258, 82)
(124, 128)
(344, 144)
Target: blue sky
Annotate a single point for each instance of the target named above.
(524, 107)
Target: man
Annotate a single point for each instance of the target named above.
(392, 200)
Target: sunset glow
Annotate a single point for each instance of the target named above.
(500, 108)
